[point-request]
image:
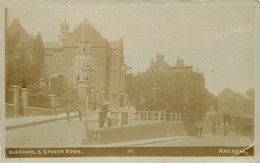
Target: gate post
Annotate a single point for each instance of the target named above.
(25, 98)
(16, 99)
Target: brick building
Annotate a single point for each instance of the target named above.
(109, 67)
(161, 66)
(235, 103)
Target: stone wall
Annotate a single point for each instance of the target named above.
(137, 132)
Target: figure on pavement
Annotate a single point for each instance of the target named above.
(200, 128)
(103, 114)
(68, 111)
(109, 118)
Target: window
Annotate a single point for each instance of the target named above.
(84, 46)
(57, 56)
(87, 64)
(114, 96)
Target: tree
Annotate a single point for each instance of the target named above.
(58, 86)
(173, 92)
(24, 59)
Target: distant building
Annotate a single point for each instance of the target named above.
(161, 66)
(109, 66)
(180, 67)
(235, 103)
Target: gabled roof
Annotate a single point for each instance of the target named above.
(90, 35)
(160, 66)
(16, 30)
(229, 92)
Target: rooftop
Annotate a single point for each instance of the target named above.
(229, 92)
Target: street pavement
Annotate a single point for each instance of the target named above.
(63, 133)
(33, 120)
(209, 140)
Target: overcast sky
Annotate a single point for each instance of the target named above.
(217, 40)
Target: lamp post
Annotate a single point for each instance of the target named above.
(154, 90)
(84, 78)
(88, 78)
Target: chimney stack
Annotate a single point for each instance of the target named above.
(180, 62)
(160, 57)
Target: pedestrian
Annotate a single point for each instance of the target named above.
(109, 119)
(225, 129)
(200, 128)
(68, 111)
(79, 111)
(103, 114)
(56, 106)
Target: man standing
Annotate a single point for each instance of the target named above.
(56, 106)
(200, 128)
(109, 118)
(79, 108)
(103, 114)
(68, 111)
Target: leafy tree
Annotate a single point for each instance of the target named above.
(173, 92)
(24, 59)
(58, 86)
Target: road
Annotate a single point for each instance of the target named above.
(64, 133)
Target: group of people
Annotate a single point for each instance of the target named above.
(104, 118)
(223, 124)
(78, 107)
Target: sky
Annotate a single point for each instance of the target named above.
(218, 40)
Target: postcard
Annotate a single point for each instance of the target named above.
(136, 79)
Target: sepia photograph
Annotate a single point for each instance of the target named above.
(130, 80)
